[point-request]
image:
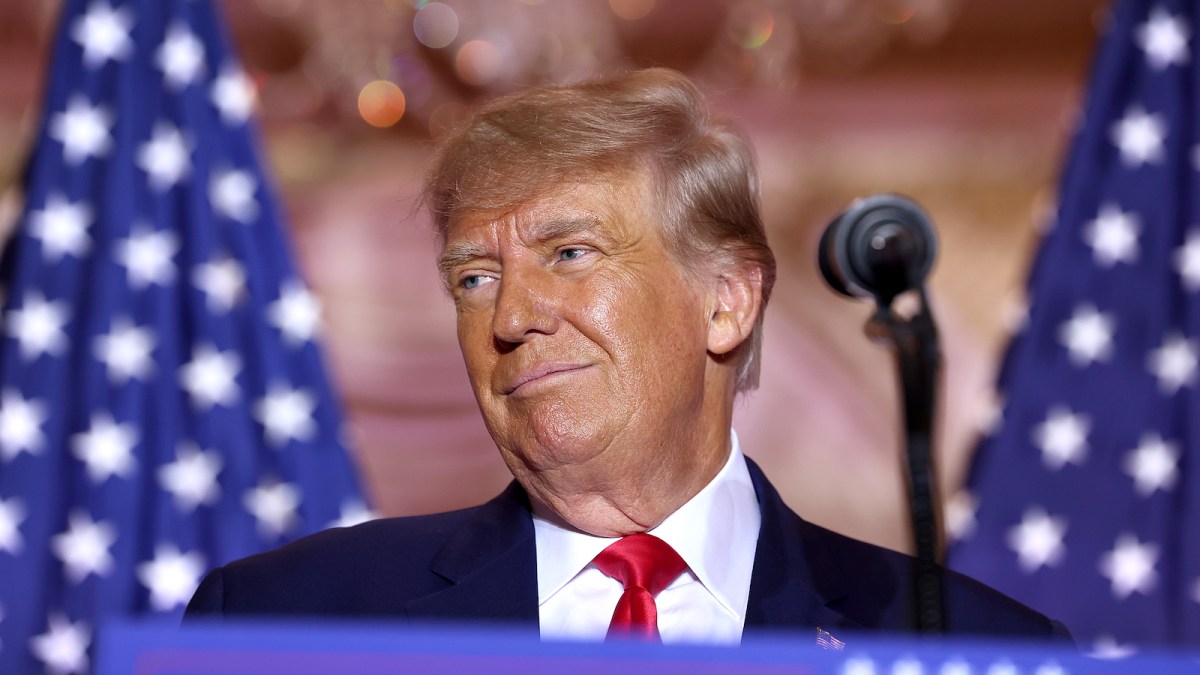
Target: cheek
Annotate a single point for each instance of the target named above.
(475, 342)
(651, 332)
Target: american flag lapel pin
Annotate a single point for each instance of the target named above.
(826, 641)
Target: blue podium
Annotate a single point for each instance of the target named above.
(302, 648)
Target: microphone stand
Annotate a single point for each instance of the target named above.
(915, 344)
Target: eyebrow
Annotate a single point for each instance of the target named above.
(458, 254)
(463, 252)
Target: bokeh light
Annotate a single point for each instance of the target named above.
(751, 25)
(479, 62)
(896, 13)
(436, 25)
(381, 103)
(631, 10)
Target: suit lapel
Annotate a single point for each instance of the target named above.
(795, 580)
(490, 564)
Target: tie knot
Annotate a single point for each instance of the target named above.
(641, 560)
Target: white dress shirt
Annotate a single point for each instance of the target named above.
(715, 533)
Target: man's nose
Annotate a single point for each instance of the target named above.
(524, 307)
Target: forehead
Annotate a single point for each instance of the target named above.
(612, 204)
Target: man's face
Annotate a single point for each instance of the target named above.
(584, 339)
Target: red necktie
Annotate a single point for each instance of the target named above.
(645, 564)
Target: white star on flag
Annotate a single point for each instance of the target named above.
(1139, 136)
(1174, 363)
(192, 477)
(233, 94)
(1038, 540)
(1164, 38)
(38, 326)
(286, 414)
(12, 514)
(147, 256)
(232, 195)
(1062, 438)
(180, 57)
(1088, 335)
(83, 130)
(125, 351)
(171, 577)
(103, 33)
(1187, 262)
(165, 157)
(1113, 236)
(1152, 465)
(63, 647)
(1106, 647)
(83, 548)
(1130, 566)
(106, 448)
(354, 513)
(1014, 313)
(223, 282)
(960, 515)
(273, 505)
(989, 413)
(21, 425)
(296, 313)
(210, 377)
(62, 227)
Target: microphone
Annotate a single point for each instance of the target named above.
(880, 246)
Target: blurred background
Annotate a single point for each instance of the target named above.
(966, 107)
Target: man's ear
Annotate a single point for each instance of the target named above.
(737, 295)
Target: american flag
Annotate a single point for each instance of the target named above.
(163, 407)
(1084, 500)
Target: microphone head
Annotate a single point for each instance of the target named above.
(880, 247)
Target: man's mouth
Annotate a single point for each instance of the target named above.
(545, 372)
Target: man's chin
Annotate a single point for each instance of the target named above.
(550, 454)
(562, 456)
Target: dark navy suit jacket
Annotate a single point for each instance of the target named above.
(479, 564)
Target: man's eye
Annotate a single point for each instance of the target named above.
(474, 281)
(570, 253)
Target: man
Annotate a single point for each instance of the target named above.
(609, 269)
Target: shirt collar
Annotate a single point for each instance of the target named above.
(715, 533)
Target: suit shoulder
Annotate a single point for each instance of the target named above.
(369, 569)
(407, 538)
